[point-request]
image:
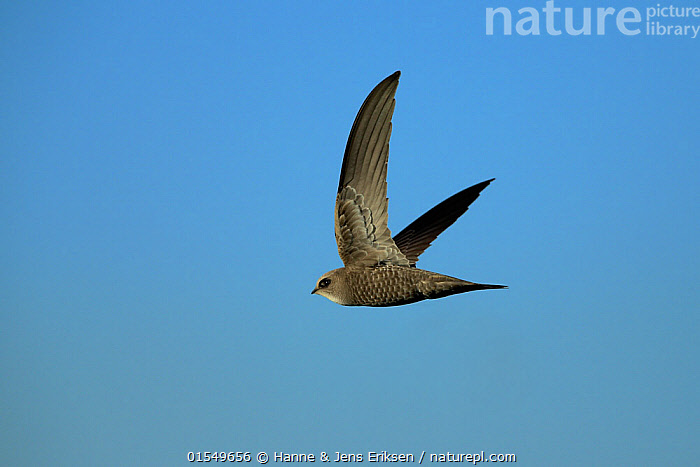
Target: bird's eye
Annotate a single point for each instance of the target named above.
(324, 283)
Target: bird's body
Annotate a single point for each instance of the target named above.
(380, 270)
(388, 285)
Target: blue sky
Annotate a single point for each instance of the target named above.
(168, 175)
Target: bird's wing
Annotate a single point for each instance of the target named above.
(419, 234)
(361, 205)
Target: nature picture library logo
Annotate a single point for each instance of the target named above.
(659, 20)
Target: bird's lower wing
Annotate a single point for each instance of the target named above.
(419, 234)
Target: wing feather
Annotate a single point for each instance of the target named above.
(419, 234)
(361, 212)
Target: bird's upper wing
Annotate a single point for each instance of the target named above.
(361, 205)
(419, 234)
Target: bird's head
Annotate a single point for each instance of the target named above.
(335, 286)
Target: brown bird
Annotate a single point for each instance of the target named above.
(381, 270)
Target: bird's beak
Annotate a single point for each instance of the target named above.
(314, 291)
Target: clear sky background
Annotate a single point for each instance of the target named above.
(167, 179)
